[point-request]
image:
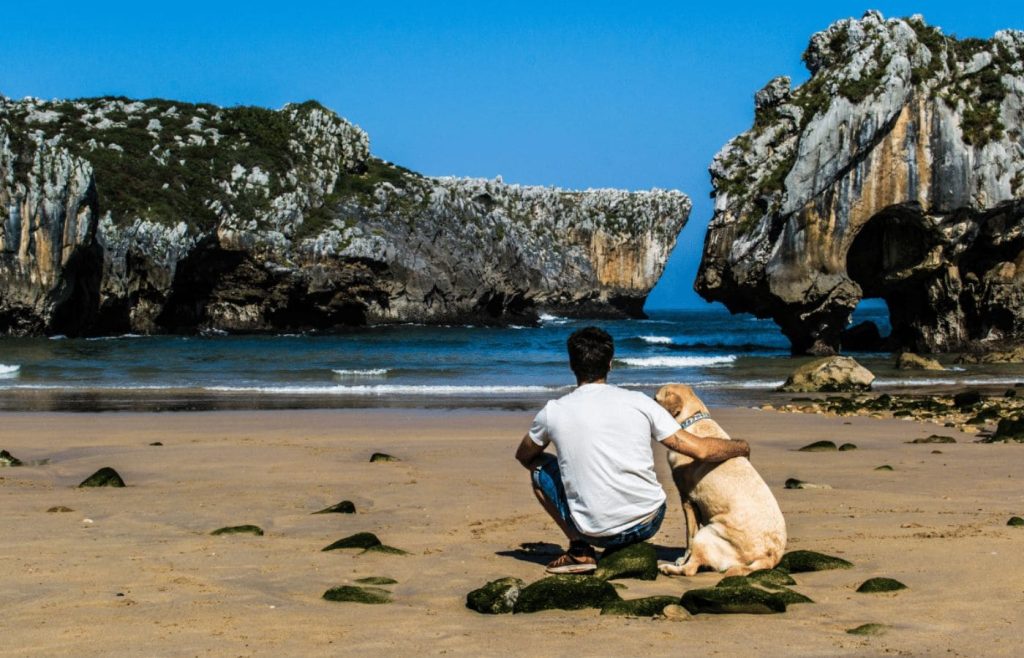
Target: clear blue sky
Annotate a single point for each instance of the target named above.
(580, 94)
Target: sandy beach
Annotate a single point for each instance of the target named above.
(135, 571)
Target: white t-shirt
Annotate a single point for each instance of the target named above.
(603, 437)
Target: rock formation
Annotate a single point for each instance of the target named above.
(157, 216)
(896, 171)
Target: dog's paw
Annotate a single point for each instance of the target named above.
(670, 568)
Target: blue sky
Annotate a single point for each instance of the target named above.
(581, 94)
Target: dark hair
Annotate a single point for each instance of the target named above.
(590, 353)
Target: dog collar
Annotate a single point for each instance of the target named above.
(700, 415)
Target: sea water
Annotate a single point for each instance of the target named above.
(730, 359)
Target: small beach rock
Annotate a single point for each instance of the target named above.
(869, 629)
(105, 477)
(382, 457)
(966, 399)
(732, 600)
(911, 361)
(156, 444)
(1015, 521)
(564, 592)
(676, 612)
(819, 446)
(872, 585)
(832, 374)
(7, 459)
(59, 508)
(239, 530)
(384, 548)
(793, 483)
(790, 597)
(934, 438)
(376, 580)
(771, 577)
(496, 597)
(363, 540)
(645, 607)
(884, 467)
(344, 507)
(846, 447)
(804, 561)
(635, 561)
(353, 594)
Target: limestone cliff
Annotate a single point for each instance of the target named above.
(896, 171)
(158, 216)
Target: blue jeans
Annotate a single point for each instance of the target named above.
(548, 479)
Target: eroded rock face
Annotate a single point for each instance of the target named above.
(896, 171)
(157, 216)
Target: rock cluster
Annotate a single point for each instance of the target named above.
(894, 172)
(830, 374)
(160, 216)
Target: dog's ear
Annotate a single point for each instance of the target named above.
(672, 402)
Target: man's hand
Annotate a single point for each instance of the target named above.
(706, 449)
(528, 452)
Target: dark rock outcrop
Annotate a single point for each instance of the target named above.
(159, 216)
(565, 593)
(803, 561)
(894, 172)
(105, 477)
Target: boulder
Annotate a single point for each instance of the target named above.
(496, 597)
(1009, 429)
(911, 361)
(646, 607)
(353, 594)
(732, 600)
(770, 578)
(382, 457)
(803, 561)
(635, 561)
(819, 446)
(1015, 521)
(239, 530)
(344, 507)
(105, 477)
(564, 592)
(966, 399)
(830, 374)
(7, 459)
(675, 612)
(1015, 355)
(873, 585)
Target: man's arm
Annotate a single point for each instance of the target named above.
(706, 449)
(528, 451)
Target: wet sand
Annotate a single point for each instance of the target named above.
(135, 571)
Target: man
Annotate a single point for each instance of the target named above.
(601, 490)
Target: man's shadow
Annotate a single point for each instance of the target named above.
(542, 552)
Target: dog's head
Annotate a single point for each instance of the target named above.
(680, 401)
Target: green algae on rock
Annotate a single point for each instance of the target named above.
(382, 457)
(247, 529)
(7, 459)
(790, 596)
(771, 577)
(819, 446)
(934, 438)
(565, 592)
(804, 561)
(384, 548)
(872, 585)
(733, 581)
(344, 507)
(363, 540)
(635, 561)
(376, 580)
(1015, 521)
(353, 594)
(846, 447)
(645, 607)
(869, 629)
(496, 597)
(732, 600)
(884, 467)
(105, 477)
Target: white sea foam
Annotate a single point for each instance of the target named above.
(677, 361)
(656, 340)
(547, 318)
(58, 337)
(369, 372)
(9, 372)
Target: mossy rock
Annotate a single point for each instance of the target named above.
(344, 507)
(934, 438)
(806, 561)
(1009, 429)
(645, 607)
(382, 457)
(966, 399)
(363, 540)
(239, 530)
(59, 508)
(7, 459)
(733, 581)
(790, 597)
(771, 577)
(496, 597)
(732, 600)
(376, 580)
(884, 467)
(793, 483)
(1015, 521)
(872, 585)
(635, 561)
(387, 550)
(353, 594)
(846, 447)
(105, 477)
(869, 629)
(819, 446)
(565, 592)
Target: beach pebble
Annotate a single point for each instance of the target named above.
(819, 446)
(7, 459)
(804, 561)
(1015, 521)
(60, 508)
(636, 561)
(353, 594)
(869, 629)
(565, 592)
(363, 540)
(793, 483)
(676, 612)
(646, 607)
(872, 585)
(382, 457)
(884, 467)
(105, 477)
(732, 600)
(156, 444)
(847, 447)
(239, 530)
(496, 597)
(934, 438)
(344, 507)
(376, 580)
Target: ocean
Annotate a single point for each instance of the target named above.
(730, 359)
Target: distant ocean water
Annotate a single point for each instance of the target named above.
(729, 359)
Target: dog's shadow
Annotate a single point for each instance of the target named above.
(542, 552)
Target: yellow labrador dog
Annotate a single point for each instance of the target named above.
(733, 522)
